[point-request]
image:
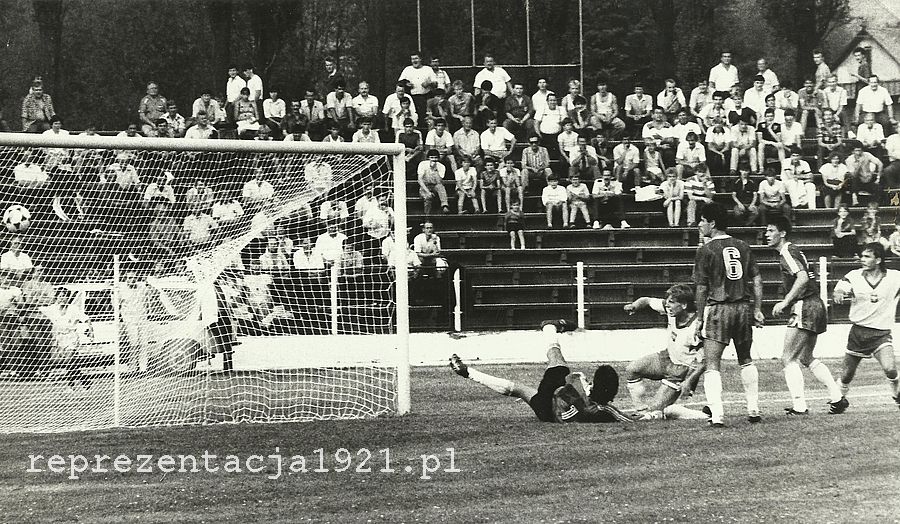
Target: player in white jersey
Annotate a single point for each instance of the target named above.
(873, 292)
(679, 366)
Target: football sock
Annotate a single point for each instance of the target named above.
(845, 388)
(823, 375)
(793, 376)
(750, 378)
(500, 385)
(712, 387)
(636, 390)
(551, 337)
(895, 382)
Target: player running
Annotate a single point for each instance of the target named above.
(560, 396)
(873, 292)
(724, 271)
(808, 320)
(679, 366)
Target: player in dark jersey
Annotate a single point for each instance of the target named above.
(808, 320)
(727, 279)
(561, 395)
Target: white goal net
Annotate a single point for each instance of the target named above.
(149, 282)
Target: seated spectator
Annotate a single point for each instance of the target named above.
(28, 174)
(834, 97)
(430, 173)
(606, 197)
(864, 172)
(514, 221)
(844, 235)
(305, 258)
(497, 141)
(787, 99)
(811, 103)
(671, 100)
(257, 191)
(578, 197)
(165, 235)
(365, 105)
(673, 195)
(436, 107)
(15, 261)
(539, 98)
(797, 178)
(554, 197)
(461, 104)
(267, 315)
(511, 179)
(892, 170)
(123, 174)
(158, 190)
(36, 291)
(699, 190)
(162, 129)
(659, 131)
(768, 136)
(743, 146)
(273, 258)
(519, 113)
(274, 111)
(638, 109)
(365, 202)
(131, 131)
(718, 145)
(894, 239)
(791, 132)
(152, 108)
(176, 122)
(740, 112)
(877, 100)
(700, 97)
(490, 184)
(567, 140)
(427, 246)
(330, 245)
(772, 197)
(245, 115)
(536, 161)
(689, 155)
(548, 123)
(227, 208)
(683, 126)
(37, 109)
(334, 133)
(198, 226)
(745, 194)
(830, 137)
(55, 156)
(298, 133)
(467, 142)
(207, 104)
(334, 211)
(605, 110)
(871, 226)
(219, 117)
(201, 129)
(487, 106)
(626, 161)
(352, 261)
(654, 167)
(584, 161)
(441, 141)
(379, 219)
(466, 186)
(199, 196)
(392, 108)
(871, 134)
(339, 108)
(714, 111)
(834, 181)
(755, 98)
(365, 133)
(411, 139)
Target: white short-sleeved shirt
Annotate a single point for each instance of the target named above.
(791, 135)
(10, 262)
(683, 344)
(872, 307)
(444, 140)
(680, 131)
(768, 193)
(835, 100)
(722, 78)
(875, 101)
(417, 76)
(233, 88)
(496, 141)
(254, 84)
(367, 106)
(834, 175)
(274, 108)
(498, 78)
(539, 100)
(550, 120)
(868, 136)
(329, 248)
(631, 154)
(770, 80)
(691, 155)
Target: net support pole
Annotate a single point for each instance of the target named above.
(419, 24)
(528, 32)
(333, 292)
(579, 293)
(401, 281)
(457, 309)
(823, 280)
(472, 29)
(117, 344)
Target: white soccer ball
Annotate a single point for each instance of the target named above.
(17, 218)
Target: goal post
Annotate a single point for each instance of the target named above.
(158, 281)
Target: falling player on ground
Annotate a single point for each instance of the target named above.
(679, 366)
(808, 320)
(727, 278)
(873, 292)
(560, 396)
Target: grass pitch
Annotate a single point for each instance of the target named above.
(817, 468)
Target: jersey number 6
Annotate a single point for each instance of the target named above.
(733, 268)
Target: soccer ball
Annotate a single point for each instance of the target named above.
(17, 218)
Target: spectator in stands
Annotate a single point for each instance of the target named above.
(176, 122)
(333, 76)
(151, 108)
(305, 258)
(55, 157)
(205, 103)
(227, 208)
(654, 166)
(768, 136)
(834, 97)
(700, 190)
(441, 141)
(437, 107)
(511, 179)
(791, 132)
(744, 193)
(770, 79)
(298, 134)
(811, 103)
(123, 174)
(160, 189)
(638, 109)
(233, 87)
(743, 146)
(442, 79)
(894, 239)
(273, 258)
(822, 69)
(659, 131)
(334, 133)
(605, 110)
(411, 138)
(578, 196)
(199, 196)
(567, 140)
(772, 197)
(365, 105)
(548, 123)
(554, 197)
(339, 108)
(580, 116)
(626, 160)
(787, 99)
(864, 170)
(871, 134)
(871, 226)
(844, 235)
(487, 106)
(255, 85)
(724, 74)
(830, 137)
(162, 130)
(514, 221)
(461, 104)
(584, 161)
(539, 98)
(27, 173)
(892, 170)
(701, 96)
(37, 109)
(671, 100)
(606, 198)
(257, 191)
(15, 261)
(334, 210)
(274, 111)
(714, 111)
(130, 132)
(201, 130)
(422, 78)
(673, 194)
(427, 246)
(36, 291)
(863, 69)
(779, 113)
(378, 220)
(490, 183)
(246, 115)
(519, 113)
(330, 245)
(683, 125)
(430, 174)
(834, 181)
(466, 185)
(366, 202)
(403, 114)
(313, 112)
(500, 85)
(387, 251)
(797, 178)
(497, 141)
(536, 161)
(4, 125)
(467, 142)
(689, 155)
(568, 101)
(198, 226)
(755, 98)
(741, 112)
(365, 133)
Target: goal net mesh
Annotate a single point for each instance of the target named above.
(145, 287)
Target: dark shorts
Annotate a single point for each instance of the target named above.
(542, 401)
(809, 314)
(864, 342)
(514, 227)
(729, 321)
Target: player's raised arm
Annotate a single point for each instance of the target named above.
(654, 303)
(843, 290)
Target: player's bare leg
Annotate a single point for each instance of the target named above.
(885, 357)
(849, 371)
(500, 385)
(712, 381)
(645, 367)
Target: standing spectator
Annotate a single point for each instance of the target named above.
(834, 181)
(689, 155)
(811, 102)
(724, 74)
(365, 133)
(15, 260)
(626, 160)
(772, 197)
(755, 98)
(864, 172)
(863, 69)
(536, 161)
(578, 196)
(467, 142)
(554, 197)
(431, 181)
(548, 123)
(37, 109)
(497, 141)
(744, 193)
(274, 111)
(511, 179)
(233, 87)
(797, 178)
(498, 77)
(539, 98)
(339, 107)
(822, 69)
(490, 183)
(255, 85)
(519, 113)
(365, 105)
(701, 96)
(151, 108)
(743, 145)
(871, 134)
(422, 78)
(830, 136)
(671, 100)
(514, 220)
(638, 109)
(442, 79)
(700, 190)
(673, 194)
(844, 235)
(441, 141)
(607, 201)
(770, 79)
(177, 124)
(333, 76)
(466, 185)
(834, 97)
(313, 112)
(462, 104)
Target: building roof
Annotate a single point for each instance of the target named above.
(885, 39)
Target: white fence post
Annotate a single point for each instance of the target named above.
(457, 309)
(823, 280)
(579, 291)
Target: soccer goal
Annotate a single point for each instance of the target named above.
(152, 281)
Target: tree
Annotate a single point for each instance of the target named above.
(221, 25)
(271, 22)
(49, 17)
(805, 24)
